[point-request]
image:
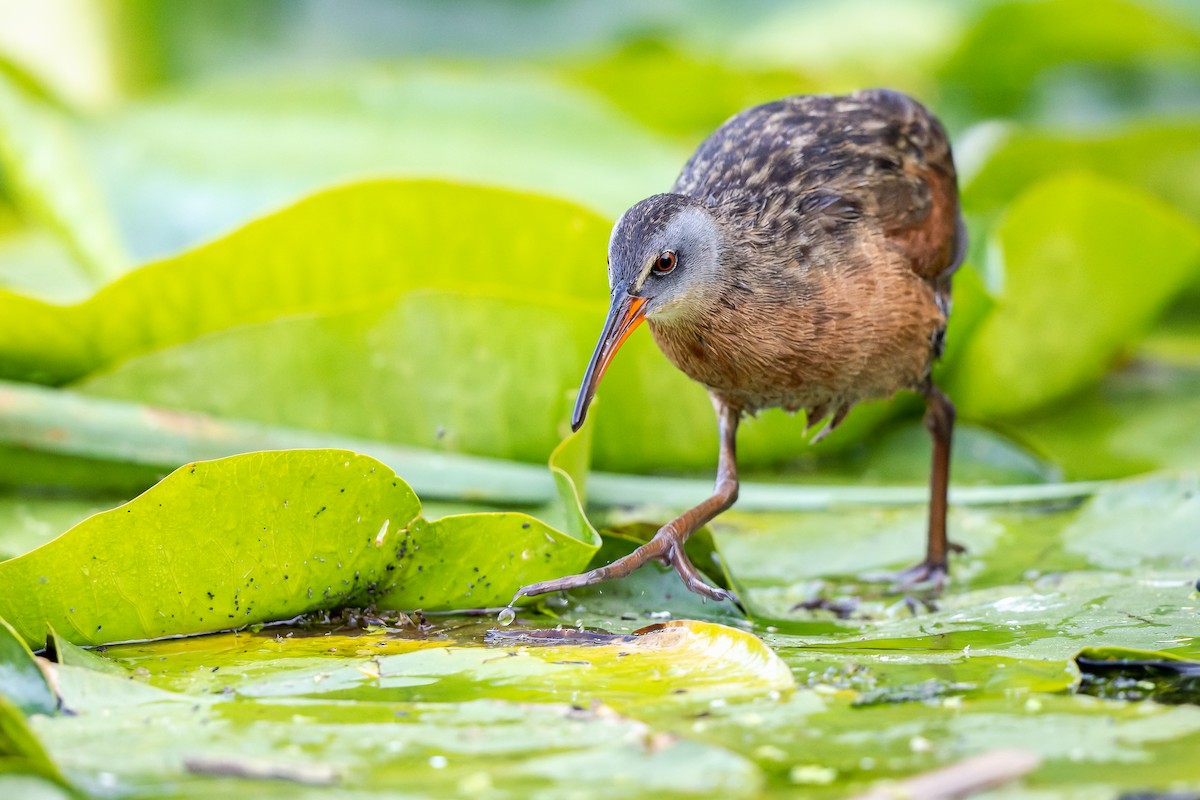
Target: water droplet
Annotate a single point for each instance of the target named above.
(506, 616)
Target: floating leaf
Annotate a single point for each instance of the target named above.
(678, 662)
(1113, 530)
(264, 537)
(513, 711)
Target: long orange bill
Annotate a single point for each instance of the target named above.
(624, 315)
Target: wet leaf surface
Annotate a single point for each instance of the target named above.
(1007, 658)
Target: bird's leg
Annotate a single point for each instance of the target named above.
(667, 544)
(939, 419)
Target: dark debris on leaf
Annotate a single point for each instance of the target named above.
(1167, 681)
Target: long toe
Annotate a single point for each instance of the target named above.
(695, 583)
(655, 548)
(704, 589)
(563, 584)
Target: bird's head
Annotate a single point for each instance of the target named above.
(663, 262)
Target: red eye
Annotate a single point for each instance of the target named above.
(665, 262)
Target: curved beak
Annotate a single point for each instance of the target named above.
(625, 314)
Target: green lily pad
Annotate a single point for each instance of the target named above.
(446, 710)
(1114, 531)
(267, 536)
(676, 662)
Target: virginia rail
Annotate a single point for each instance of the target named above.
(802, 259)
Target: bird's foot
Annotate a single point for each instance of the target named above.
(666, 546)
(925, 575)
(842, 608)
(929, 575)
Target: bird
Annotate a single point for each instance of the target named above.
(802, 260)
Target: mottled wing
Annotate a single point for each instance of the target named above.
(814, 165)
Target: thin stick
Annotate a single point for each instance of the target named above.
(960, 779)
(308, 774)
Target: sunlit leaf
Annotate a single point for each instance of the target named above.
(448, 710)
(676, 662)
(264, 537)
(342, 248)
(217, 544)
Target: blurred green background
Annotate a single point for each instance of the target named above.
(382, 225)
(132, 132)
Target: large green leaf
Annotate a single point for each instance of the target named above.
(495, 380)
(217, 544)
(343, 248)
(1083, 267)
(266, 536)
(993, 665)
(524, 664)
